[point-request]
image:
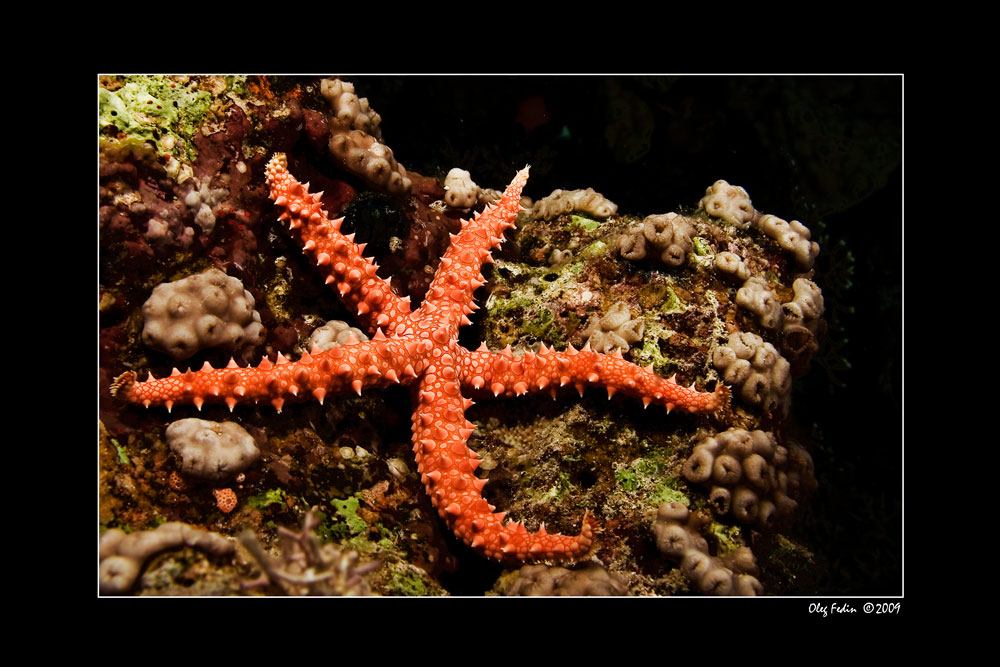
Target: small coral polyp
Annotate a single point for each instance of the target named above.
(419, 347)
(791, 236)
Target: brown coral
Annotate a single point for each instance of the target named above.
(669, 234)
(759, 374)
(616, 330)
(566, 201)
(752, 477)
(678, 536)
(355, 139)
(729, 202)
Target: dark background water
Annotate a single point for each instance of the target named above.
(826, 150)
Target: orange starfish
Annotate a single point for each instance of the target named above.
(420, 347)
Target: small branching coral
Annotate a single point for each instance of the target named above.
(306, 566)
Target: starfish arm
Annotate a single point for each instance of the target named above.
(337, 256)
(449, 296)
(447, 467)
(340, 369)
(502, 373)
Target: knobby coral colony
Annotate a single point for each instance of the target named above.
(420, 347)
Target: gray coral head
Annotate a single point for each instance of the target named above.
(211, 450)
(208, 309)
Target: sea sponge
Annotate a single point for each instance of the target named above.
(760, 375)
(356, 139)
(791, 236)
(586, 201)
(212, 450)
(332, 334)
(729, 202)
(616, 330)
(757, 296)
(677, 532)
(590, 579)
(731, 264)
(752, 477)
(208, 309)
(122, 554)
(669, 234)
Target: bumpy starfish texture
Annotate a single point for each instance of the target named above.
(420, 347)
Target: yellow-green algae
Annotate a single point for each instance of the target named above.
(166, 111)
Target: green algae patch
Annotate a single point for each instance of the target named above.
(729, 538)
(156, 109)
(122, 454)
(266, 499)
(522, 302)
(668, 493)
(644, 477)
(627, 480)
(347, 509)
(594, 250)
(409, 581)
(701, 246)
(581, 222)
(406, 583)
(659, 297)
(650, 352)
(561, 487)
